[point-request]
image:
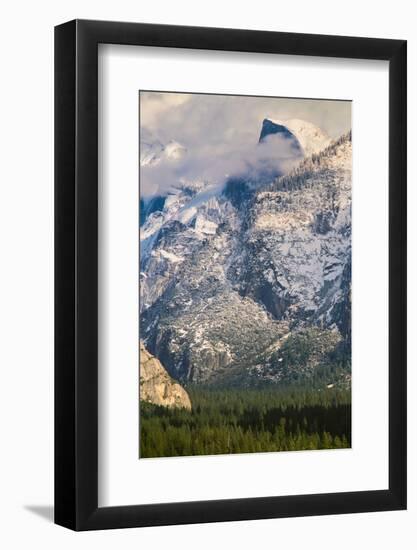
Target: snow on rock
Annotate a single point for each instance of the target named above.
(224, 281)
(152, 151)
(174, 151)
(311, 138)
(205, 226)
(170, 256)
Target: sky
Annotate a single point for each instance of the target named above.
(221, 132)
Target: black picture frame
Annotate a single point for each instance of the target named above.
(76, 272)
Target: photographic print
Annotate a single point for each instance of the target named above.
(245, 274)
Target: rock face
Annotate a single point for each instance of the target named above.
(270, 128)
(156, 386)
(227, 277)
(311, 138)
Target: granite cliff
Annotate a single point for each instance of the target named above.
(234, 283)
(156, 386)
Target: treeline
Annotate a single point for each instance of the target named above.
(312, 167)
(247, 420)
(317, 356)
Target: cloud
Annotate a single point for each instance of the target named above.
(221, 134)
(153, 105)
(275, 154)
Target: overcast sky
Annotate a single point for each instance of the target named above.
(220, 131)
(216, 118)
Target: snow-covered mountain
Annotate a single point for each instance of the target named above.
(311, 138)
(152, 151)
(231, 276)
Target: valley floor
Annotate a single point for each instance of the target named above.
(228, 421)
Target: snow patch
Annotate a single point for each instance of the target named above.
(170, 256)
(311, 137)
(203, 225)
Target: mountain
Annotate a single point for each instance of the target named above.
(152, 151)
(157, 387)
(311, 137)
(251, 282)
(274, 128)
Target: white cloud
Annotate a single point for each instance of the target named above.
(153, 105)
(221, 134)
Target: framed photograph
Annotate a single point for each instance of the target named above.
(230, 252)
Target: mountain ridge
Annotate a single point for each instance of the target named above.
(245, 273)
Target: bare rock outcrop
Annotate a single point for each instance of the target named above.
(226, 274)
(156, 386)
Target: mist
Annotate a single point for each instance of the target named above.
(221, 135)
